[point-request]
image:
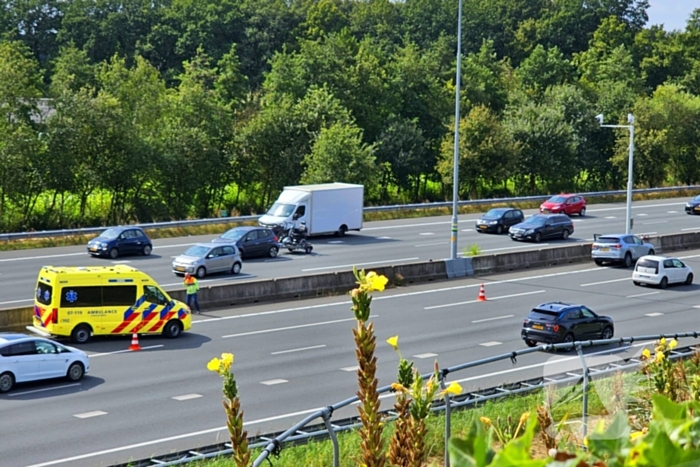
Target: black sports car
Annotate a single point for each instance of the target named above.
(693, 206)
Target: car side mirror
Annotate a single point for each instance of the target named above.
(210, 256)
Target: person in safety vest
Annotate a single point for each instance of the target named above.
(191, 288)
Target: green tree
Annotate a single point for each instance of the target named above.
(543, 69)
(340, 155)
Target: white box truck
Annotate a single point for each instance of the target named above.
(328, 208)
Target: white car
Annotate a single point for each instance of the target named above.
(25, 358)
(661, 271)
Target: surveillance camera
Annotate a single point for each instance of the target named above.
(599, 117)
(630, 119)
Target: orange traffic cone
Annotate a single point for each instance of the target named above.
(135, 342)
(482, 294)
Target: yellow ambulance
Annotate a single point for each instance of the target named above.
(81, 302)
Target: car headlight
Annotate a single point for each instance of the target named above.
(493, 222)
(103, 245)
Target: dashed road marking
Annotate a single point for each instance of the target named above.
(490, 343)
(642, 294)
(492, 319)
(350, 368)
(298, 350)
(425, 355)
(187, 397)
(653, 315)
(94, 413)
(426, 233)
(274, 382)
(605, 282)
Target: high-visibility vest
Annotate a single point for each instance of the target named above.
(192, 286)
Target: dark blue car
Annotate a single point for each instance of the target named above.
(118, 241)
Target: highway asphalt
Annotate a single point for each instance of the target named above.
(379, 243)
(294, 357)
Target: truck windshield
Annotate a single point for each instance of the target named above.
(281, 210)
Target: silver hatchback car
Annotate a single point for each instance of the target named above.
(624, 248)
(208, 258)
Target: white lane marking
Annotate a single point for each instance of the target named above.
(350, 368)
(187, 397)
(94, 413)
(490, 343)
(690, 228)
(656, 222)
(431, 244)
(298, 350)
(287, 328)
(283, 416)
(467, 230)
(41, 257)
(636, 207)
(385, 227)
(696, 306)
(13, 394)
(492, 319)
(642, 214)
(475, 301)
(383, 238)
(120, 262)
(642, 294)
(605, 282)
(360, 264)
(672, 212)
(123, 351)
(273, 382)
(17, 301)
(611, 217)
(427, 233)
(335, 242)
(425, 355)
(653, 314)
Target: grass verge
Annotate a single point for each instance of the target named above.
(213, 229)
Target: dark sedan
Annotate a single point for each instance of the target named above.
(557, 322)
(693, 206)
(252, 241)
(499, 220)
(119, 241)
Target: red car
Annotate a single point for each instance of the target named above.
(566, 204)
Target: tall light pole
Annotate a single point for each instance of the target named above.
(630, 167)
(455, 176)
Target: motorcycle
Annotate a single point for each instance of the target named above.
(295, 238)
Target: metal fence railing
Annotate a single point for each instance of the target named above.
(319, 425)
(398, 207)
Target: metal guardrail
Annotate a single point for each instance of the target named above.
(398, 207)
(318, 425)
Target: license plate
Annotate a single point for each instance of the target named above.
(545, 210)
(92, 248)
(483, 227)
(605, 249)
(697, 208)
(179, 268)
(643, 277)
(537, 326)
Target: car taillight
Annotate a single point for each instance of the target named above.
(617, 245)
(553, 327)
(54, 316)
(276, 239)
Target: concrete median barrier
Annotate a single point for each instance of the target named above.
(338, 282)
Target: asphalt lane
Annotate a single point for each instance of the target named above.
(379, 243)
(294, 357)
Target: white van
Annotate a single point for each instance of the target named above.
(661, 271)
(325, 208)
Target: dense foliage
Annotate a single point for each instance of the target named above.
(116, 111)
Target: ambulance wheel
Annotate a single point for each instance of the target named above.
(75, 371)
(81, 334)
(172, 329)
(6, 382)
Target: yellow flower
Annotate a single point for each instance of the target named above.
(394, 342)
(398, 387)
(635, 435)
(662, 341)
(213, 364)
(585, 441)
(454, 389)
(660, 357)
(375, 282)
(226, 360)
(646, 354)
(673, 344)
(524, 417)
(485, 420)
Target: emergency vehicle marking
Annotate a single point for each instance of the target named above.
(129, 315)
(148, 315)
(165, 315)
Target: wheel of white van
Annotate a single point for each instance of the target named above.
(75, 371)
(147, 249)
(689, 279)
(272, 252)
(342, 230)
(114, 253)
(664, 282)
(6, 382)
(172, 329)
(80, 334)
(236, 268)
(583, 212)
(201, 272)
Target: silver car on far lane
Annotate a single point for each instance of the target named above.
(623, 248)
(208, 258)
